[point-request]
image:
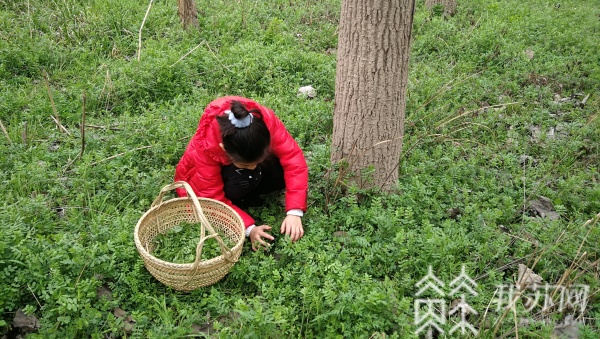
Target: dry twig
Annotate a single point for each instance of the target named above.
(216, 57)
(439, 92)
(475, 111)
(108, 86)
(80, 273)
(83, 99)
(55, 117)
(120, 154)
(5, 132)
(24, 134)
(36, 299)
(139, 55)
(112, 128)
(82, 127)
(188, 53)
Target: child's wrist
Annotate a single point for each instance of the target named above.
(296, 211)
(249, 229)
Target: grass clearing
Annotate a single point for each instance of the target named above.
(503, 108)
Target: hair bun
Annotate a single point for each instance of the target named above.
(239, 111)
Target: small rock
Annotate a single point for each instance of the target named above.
(562, 130)
(536, 133)
(307, 92)
(26, 323)
(569, 329)
(543, 208)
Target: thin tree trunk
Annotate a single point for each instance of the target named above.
(188, 13)
(371, 79)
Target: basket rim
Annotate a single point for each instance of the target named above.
(147, 255)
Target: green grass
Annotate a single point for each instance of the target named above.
(178, 244)
(480, 84)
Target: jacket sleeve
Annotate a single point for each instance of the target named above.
(204, 176)
(295, 170)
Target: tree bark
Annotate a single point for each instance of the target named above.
(370, 90)
(188, 13)
(449, 5)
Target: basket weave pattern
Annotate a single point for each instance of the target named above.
(214, 216)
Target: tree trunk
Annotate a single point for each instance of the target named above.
(370, 89)
(448, 5)
(188, 13)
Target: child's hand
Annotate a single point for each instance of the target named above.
(292, 226)
(257, 234)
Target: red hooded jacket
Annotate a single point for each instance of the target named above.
(200, 165)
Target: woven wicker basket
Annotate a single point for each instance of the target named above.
(214, 216)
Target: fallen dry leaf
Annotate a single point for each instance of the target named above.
(453, 213)
(119, 312)
(104, 292)
(529, 54)
(341, 234)
(527, 278)
(128, 321)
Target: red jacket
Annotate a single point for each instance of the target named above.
(200, 165)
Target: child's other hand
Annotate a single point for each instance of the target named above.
(257, 234)
(292, 226)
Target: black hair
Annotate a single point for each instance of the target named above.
(248, 144)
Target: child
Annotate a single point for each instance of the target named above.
(241, 150)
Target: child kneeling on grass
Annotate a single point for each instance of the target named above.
(240, 151)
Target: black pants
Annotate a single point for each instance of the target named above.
(243, 187)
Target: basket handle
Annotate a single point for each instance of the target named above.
(204, 223)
